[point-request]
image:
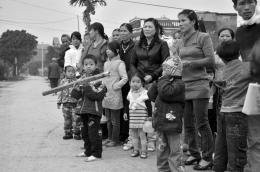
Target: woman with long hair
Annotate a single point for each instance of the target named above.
(98, 45)
(197, 54)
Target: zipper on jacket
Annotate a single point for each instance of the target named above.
(82, 103)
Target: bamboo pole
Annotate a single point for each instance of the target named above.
(80, 81)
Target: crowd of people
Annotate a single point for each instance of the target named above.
(165, 94)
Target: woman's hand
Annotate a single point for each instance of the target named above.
(148, 78)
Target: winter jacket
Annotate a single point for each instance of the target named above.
(92, 97)
(65, 95)
(99, 52)
(237, 78)
(72, 56)
(126, 53)
(62, 50)
(169, 96)
(53, 70)
(147, 60)
(114, 82)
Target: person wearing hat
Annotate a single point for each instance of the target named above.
(53, 73)
(169, 97)
(113, 102)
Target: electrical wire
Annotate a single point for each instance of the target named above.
(45, 28)
(41, 7)
(26, 22)
(156, 5)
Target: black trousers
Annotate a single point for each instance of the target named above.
(54, 82)
(91, 135)
(124, 125)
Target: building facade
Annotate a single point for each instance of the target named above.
(170, 26)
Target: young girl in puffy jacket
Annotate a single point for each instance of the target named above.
(113, 102)
(168, 94)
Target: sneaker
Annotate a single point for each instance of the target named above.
(111, 144)
(67, 136)
(127, 147)
(77, 137)
(105, 142)
(151, 149)
(82, 154)
(135, 153)
(143, 155)
(92, 158)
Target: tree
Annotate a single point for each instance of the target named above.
(17, 47)
(90, 9)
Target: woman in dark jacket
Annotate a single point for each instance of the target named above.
(148, 56)
(125, 53)
(150, 52)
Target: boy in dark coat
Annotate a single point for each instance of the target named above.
(90, 111)
(169, 95)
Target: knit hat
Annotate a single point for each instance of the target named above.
(65, 67)
(114, 46)
(172, 66)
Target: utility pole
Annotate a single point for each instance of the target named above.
(16, 69)
(42, 59)
(78, 22)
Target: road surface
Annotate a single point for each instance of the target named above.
(31, 130)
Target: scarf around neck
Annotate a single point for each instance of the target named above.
(255, 19)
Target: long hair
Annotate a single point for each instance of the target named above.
(128, 27)
(156, 35)
(192, 16)
(100, 28)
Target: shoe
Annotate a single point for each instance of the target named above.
(82, 154)
(143, 155)
(111, 144)
(92, 158)
(128, 146)
(191, 160)
(105, 142)
(150, 149)
(77, 137)
(206, 167)
(67, 136)
(135, 153)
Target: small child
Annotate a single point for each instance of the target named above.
(169, 95)
(113, 102)
(91, 110)
(139, 109)
(71, 120)
(231, 141)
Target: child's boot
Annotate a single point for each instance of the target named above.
(77, 136)
(67, 136)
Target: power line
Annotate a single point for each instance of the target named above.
(45, 28)
(156, 5)
(51, 9)
(26, 22)
(42, 7)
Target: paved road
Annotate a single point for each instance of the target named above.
(31, 130)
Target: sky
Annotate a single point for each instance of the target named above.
(52, 18)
